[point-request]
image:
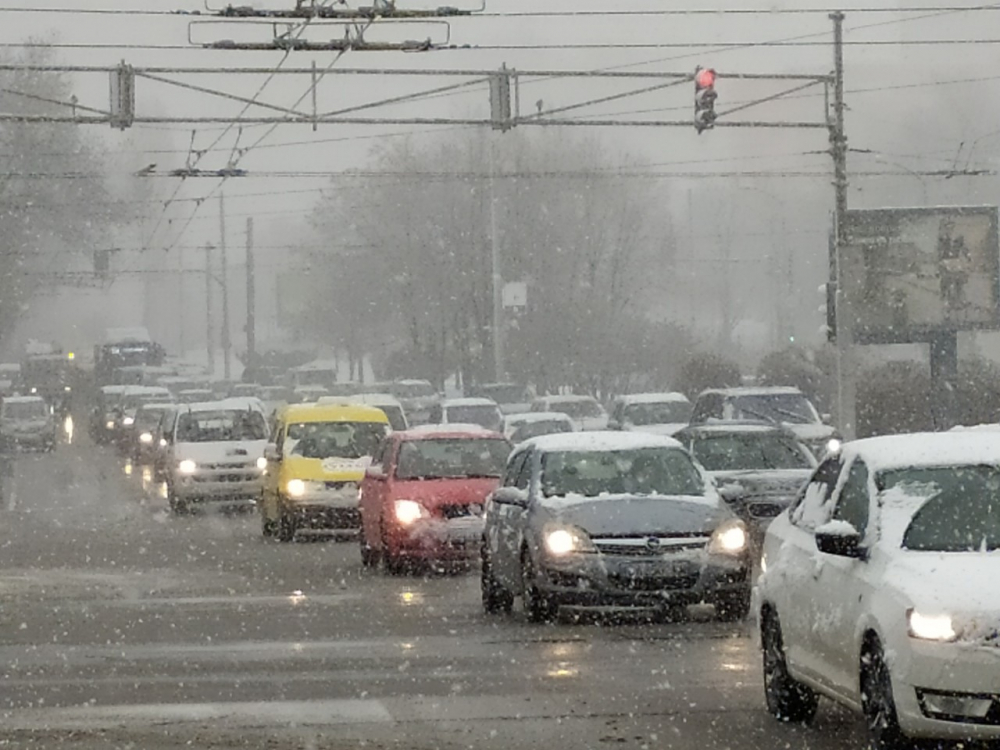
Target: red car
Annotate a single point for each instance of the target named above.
(422, 499)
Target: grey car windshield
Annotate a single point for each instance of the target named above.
(448, 458)
(536, 429)
(487, 416)
(412, 390)
(224, 425)
(792, 408)
(666, 412)
(25, 410)
(644, 471)
(581, 409)
(750, 452)
(336, 439)
(962, 512)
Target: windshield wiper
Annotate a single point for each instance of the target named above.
(759, 415)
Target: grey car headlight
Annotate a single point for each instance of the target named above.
(729, 539)
(562, 540)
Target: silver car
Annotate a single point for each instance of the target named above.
(611, 519)
(27, 422)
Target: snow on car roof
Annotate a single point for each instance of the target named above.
(654, 398)
(567, 399)
(453, 402)
(146, 390)
(926, 449)
(23, 400)
(226, 404)
(377, 399)
(720, 426)
(448, 430)
(533, 417)
(601, 441)
(411, 381)
(777, 390)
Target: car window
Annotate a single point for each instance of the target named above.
(812, 508)
(524, 473)
(853, 502)
(514, 470)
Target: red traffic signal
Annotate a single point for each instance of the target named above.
(705, 78)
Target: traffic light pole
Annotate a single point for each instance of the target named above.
(846, 367)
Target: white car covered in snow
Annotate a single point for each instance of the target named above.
(880, 589)
(655, 413)
(216, 453)
(586, 413)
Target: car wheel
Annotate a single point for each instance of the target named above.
(787, 699)
(286, 525)
(877, 702)
(496, 598)
(733, 607)
(268, 527)
(392, 563)
(369, 555)
(537, 606)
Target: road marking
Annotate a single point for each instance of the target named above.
(243, 715)
(11, 494)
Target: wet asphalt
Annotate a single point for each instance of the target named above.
(122, 625)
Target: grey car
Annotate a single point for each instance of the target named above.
(611, 519)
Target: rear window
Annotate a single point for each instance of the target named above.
(486, 416)
(582, 409)
(537, 429)
(25, 410)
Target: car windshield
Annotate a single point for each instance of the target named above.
(750, 453)
(962, 510)
(135, 400)
(503, 394)
(536, 429)
(223, 425)
(25, 410)
(487, 416)
(793, 408)
(578, 409)
(452, 458)
(335, 439)
(412, 390)
(665, 412)
(147, 417)
(645, 471)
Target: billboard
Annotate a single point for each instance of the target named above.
(908, 274)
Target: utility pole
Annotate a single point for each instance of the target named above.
(209, 334)
(251, 299)
(499, 368)
(846, 367)
(223, 278)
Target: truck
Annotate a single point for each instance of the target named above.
(125, 347)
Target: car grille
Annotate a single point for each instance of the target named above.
(653, 583)
(764, 509)
(341, 485)
(461, 511)
(646, 546)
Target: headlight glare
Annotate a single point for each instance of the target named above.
(729, 539)
(833, 446)
(110, 425)
(262, 463)
(930, 627)
(128, 421)
(146, 438)
(187, 466)
(409, 512)
(563, 540)
(296, 487)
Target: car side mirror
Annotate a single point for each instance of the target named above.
(732, 493)
(271, 453)
(375, 473)
(511, 496)
(826, 418)
(841, 539)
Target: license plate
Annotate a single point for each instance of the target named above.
(465, 530)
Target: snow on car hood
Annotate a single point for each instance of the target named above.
(764, 482)
(204, 453)
(962, 584)
(669, 429)
(638, 515)
(810, 432)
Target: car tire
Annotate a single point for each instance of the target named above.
(286, 525)
(877, 703)
(496, 598)
(392, 564)
(537, 606)
(369, 555)
(787, 699)
(268, 527)
(733, 607)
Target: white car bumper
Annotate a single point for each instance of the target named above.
(929, 678)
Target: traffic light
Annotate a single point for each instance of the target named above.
(704, 99)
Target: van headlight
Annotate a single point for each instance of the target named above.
(564, 540)
(146, 438)
(833, 446)
(930, 627)
(729, 539)
(187, 466)
(109, 424)
(295, 488)
(128, 421)
(408, 512)
(262, 463)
